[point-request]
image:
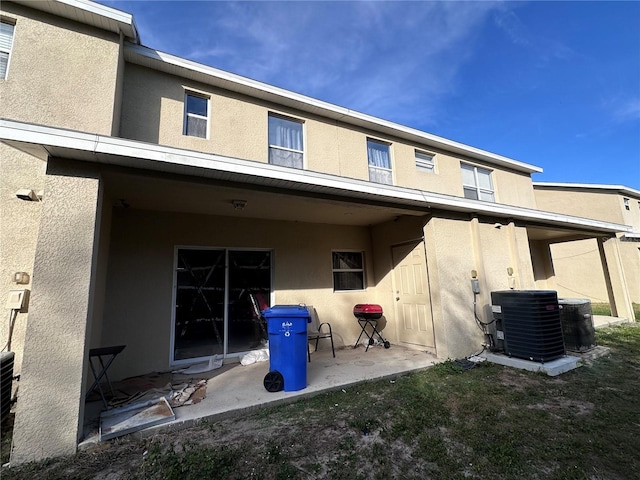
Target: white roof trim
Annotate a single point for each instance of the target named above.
(588, 186)
(118, 151)
(92, 13)
(632, 235)
(251, 87)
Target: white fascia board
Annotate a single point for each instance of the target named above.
(99, 9)
(632, 235)
(588, 186)
(346, 115)
(106, 149)
(125, 21)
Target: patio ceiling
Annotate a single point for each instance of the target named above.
(180, 195)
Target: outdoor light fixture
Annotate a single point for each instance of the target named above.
(27, 194)
(239, 204)
(21, 278)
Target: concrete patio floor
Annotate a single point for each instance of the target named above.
(235, 389)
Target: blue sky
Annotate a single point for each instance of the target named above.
(553, 84)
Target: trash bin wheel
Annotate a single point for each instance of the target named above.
(273, 381)
(371, 341)
(387, 344)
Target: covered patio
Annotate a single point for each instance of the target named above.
(235, 389)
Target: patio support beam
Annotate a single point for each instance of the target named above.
(614, 277)
(50, 404)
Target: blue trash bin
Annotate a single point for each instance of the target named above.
(287, 327)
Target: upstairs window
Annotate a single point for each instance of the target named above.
(425, 162)
(626, 203)
(348, 271)
(285, 142)
(196, 115)
(477, 183)
(6, 43)
(379, 162)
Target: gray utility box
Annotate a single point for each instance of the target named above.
(577, 324)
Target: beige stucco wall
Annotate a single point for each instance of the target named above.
(153, 111)
(587, 204)
(61, 73)
(54, 363)
(19, 222)
(578, 265)
(456, 246)
(578, 270)
(138, 304)
(630, 255)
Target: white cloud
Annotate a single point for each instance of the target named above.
(625, 109)
(378, 57)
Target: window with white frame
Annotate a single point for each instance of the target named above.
(286, 146)
(379, 157)
(6, 43)
(425, 162)
(477, 183)
(348, 271)
(626, 203)
(196, 115)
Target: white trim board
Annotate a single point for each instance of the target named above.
(49, 141)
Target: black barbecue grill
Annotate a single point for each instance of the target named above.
(368, 314)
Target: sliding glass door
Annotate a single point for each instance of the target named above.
(219, 294)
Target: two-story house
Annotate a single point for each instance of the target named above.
(578, 269)
(151, 200)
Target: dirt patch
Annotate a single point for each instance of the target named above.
(517, 380)
(557, 405)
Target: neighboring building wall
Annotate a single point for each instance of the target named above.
(579, 271)
(599, 205)
(578, 266)
(153, 111)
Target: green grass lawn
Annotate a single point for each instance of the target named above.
(605, 309)
(489, 422)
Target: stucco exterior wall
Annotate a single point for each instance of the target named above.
(153, 111)
(587, 204)
(630, 255)
(578, 265)
(61, 73)
(579, 271)
(138, 306)
(456, 246)
(19, 223)
(54, 363)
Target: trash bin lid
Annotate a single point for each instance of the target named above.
(278, 311)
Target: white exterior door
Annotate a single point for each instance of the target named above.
(412, 297)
